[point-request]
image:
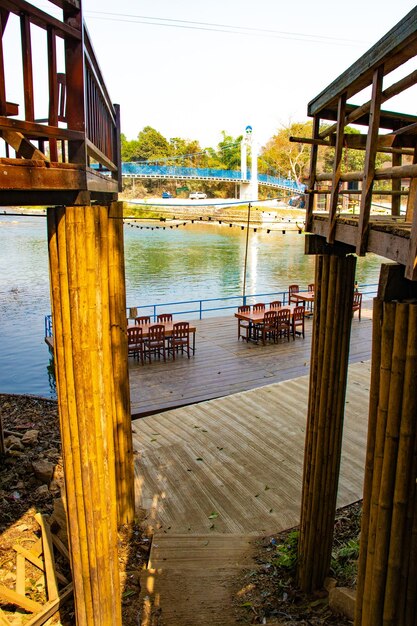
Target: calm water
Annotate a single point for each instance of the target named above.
(186, 263)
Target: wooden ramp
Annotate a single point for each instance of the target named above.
(192, 581)
(240, 457)
(232, 467)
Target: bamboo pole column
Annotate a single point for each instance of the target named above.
(335, 273)
(122, 414)
(387, 576)
(79, 275)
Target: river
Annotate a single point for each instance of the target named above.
(191, 262)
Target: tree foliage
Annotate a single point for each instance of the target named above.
(287, 159)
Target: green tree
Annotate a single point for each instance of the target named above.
(286, 158)
(190, 151)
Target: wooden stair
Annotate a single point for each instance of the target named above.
(193, 580)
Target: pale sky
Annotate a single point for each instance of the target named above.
(187, 78)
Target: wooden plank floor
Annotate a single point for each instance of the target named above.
(223, 365)
(234, 465)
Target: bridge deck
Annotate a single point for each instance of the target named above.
(223, 365)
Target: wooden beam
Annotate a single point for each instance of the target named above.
(32, 129)
(27, 68)
(96, 154)
(40, 18)
(21, 145)
(393, 49)
(412, 193)
(411, 267)
(393, 284)
(41, 178)
(48, 557)
(312, 176)
(50, 608)
(396, 187)
(385, 244)
(390, 92)
(3, 103)
(337, 167)
(18, 600)
(53, 90)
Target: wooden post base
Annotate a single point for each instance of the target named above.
(328, 375)
(387, 577)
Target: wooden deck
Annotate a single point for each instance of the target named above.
(223, 365)
(239, 459)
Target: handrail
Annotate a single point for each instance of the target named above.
(164, 307)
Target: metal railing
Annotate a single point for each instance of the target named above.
(143, 170)
(205, 307)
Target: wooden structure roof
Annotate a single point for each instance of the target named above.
(47, 160)
(395, 236)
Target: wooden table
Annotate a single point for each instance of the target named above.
(303, 296)
(168, 326)
(257, 317)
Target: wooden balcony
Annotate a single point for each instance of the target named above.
(47, 160)
(387, 132)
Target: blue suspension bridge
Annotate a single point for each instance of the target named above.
(147, 171)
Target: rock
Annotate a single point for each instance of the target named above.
(330, 583)
(13, 443)
(30, 437)
(342, 601)
(43, 471)
(42, 491)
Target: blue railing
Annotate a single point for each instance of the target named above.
(205, 307)
(171, 171)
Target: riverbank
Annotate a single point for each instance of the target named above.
(260, 216)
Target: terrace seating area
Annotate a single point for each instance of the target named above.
(223, 364)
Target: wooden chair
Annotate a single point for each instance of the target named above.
(180, 339)
(275, 304)
(135, 342)
(156, 342)
(269, 327)
(283, 323)
(357, 303)
(243, 325)
(298, 317)
(164, 317)
(142, 320)
(260, 306)
(310, 287)
(291, 290)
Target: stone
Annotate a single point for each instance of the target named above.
(342, 601)
(43, 471)
(30, 437)
(42, 491)
(13, 443)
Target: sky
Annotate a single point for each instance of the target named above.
(192, 69)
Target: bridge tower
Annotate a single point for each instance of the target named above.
(249, 186)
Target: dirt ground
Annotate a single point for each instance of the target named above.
(31, 477)
(269, 594)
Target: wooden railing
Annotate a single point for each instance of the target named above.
(399, 239)
(81, 124)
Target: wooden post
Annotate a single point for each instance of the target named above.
(335, 273)
(79, 274)
(122, 414)
(387, 576)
